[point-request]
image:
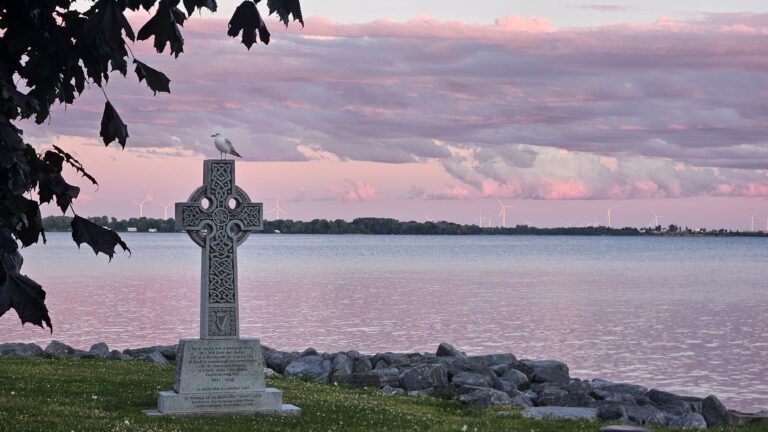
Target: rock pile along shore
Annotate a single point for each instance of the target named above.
(541, 388)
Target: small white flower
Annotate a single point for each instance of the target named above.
(13, 393)
(464, 428)
(94, 397)
(126, 422)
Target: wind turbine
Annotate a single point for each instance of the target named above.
(766, 225)
(480, 220)
(490, 220)
(165, 209)
(141, 205)
(610, 213)
(752, 218)
(277, 210)
(656, 218)
(503, 213)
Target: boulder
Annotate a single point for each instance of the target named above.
(736, 418)
(612, 412)
(155, 357)
(279, 360)
(623, 428)
(485, 398)
(312, 367)
(168, 351)
(362, 364)
(619, 388)
(690, 420)
(309, 352)
(425, 376)
(341, 365)
(117, 355)
(645, 415)
(714, 412)
(554, 396)
(387, 360)
(20, 350)
(389, 390)
(670, 403)
(494, 359)
(99, 350)
(57, 349)
(544, 371)
(520, 399)
(501, 369)
(561, 413)
(375, 378)
(474, 379)
(516, 378)
(447, 350)
(269, 372)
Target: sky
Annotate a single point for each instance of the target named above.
(440, 110)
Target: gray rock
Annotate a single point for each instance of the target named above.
(155, 357)
(375, 378)
(689, 421)
(312, 367)
(57, 349)
(520, 399)
(561, 413)
(362, 364)
(99, 350)
(309, 352)
(341, 365)
(389, 390)
(669, 402)
(387, 360)
(168, 351)
(494, 359)
(21, 350)
(645, 414)
(421, 393)
(501, 369)
(485, 398)
(516, 378)
(558, 397)
(269, 372)
(117, 355)
(736, 418)
(80, 354)
(623, 428)
(279, 360)
(619, 388)
(473, 379)
(612, 412)
(714, 412)
(425, 376)
(447, 350)
(545, 371)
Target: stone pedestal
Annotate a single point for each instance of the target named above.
(221, 377)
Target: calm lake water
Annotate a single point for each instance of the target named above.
(687, 315)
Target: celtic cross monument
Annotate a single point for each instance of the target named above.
(220, 373)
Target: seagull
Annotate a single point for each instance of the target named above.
(224, 145)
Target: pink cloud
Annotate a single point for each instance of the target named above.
(564, 190)
(354, 191)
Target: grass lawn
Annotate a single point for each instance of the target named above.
(97, 395)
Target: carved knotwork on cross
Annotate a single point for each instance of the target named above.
(219, 216)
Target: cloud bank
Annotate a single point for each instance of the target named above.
(517, 108)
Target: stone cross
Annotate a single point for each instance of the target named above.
(219, 216)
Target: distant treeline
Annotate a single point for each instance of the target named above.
(387, 226)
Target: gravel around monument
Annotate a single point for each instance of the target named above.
(540, 388)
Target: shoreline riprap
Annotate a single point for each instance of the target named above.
(541, 388)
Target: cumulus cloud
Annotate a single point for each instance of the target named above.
(353, 191)
(516, 108)
(449, 193)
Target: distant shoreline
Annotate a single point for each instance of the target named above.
(386, 226)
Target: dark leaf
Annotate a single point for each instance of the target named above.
(190, 5)
(98, 238)
(284, 8)
(247, 19)
(164, 28)
(74, 163)
(22, 216)
(112, 127)
(10, 135)
(135, 4)
(17, 291)
(54, 185)
(156, 80)
(179, 16)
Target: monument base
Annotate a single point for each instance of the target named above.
(221, 377)
(266, 402)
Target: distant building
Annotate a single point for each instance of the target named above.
(132, 229)
(153, 230)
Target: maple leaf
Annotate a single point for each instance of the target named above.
(247, 19)
(100, 239)
(164, 27)
(112, 126)
(18, 292)
(285, 8)
(156, 80)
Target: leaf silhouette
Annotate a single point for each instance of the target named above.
(156, 80)
(284, 8)
(136, 4)
(74, 163)
(190, 5)
(112, 126)
(98, 238)
(17, 291)
(164, 27)
(247, 19)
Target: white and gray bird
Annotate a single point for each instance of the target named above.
(224, 145)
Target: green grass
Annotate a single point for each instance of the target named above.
(95, 395)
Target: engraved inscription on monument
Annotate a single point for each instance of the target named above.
(219, 366)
